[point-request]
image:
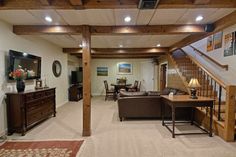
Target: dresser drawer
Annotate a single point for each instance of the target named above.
(39, 114)
(29, 97)
(50, 92)
(39, 95)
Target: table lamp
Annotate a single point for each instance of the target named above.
(193, 84)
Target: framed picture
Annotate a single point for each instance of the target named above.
(228, 48)
(217, 40)
(210, 43)
(124, 68)
(102, 71)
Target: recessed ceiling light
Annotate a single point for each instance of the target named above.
(158, 45)
(199, 18)
(127, 19)
(48, 19)
(120, 45)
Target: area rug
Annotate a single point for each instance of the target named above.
(40, 149)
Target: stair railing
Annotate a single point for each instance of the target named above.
(211, 85)
(208, 80)
(226, 67)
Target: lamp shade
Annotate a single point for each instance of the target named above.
(194, 83)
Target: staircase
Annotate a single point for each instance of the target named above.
(211, 86)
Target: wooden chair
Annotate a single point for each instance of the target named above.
(139, 86)
(133, 88)
(109, 92)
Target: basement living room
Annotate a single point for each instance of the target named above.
(128, 78)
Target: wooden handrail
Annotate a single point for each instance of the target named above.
(226, 67)
(220, 82)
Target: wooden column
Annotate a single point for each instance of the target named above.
(86, 57)
(229, 113)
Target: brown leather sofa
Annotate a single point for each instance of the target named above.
(145, 105)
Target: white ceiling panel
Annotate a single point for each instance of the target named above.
(133, 41)
(120, 14)
(18, 17)
(220, 13)
(61, 40)
(167, 40)
(167, 16)
(190, 16)
(145, 16)
(41, 14)
(88, 17)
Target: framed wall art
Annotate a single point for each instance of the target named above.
(217, 37)
(124, 68)
(209, 43)
(102, 71)
(228, 47)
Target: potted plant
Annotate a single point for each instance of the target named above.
(19, 75)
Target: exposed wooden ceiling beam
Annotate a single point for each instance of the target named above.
(45, 2)
(76, 2)
(120, 51)
(113, 51)
(124, 56)
(121, 56)
(113, 4)
(43, 29)
(201, 2)
(116, 30)
(158, 29)
(219, 25)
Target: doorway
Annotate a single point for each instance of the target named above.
(163, 76)
(147, 76)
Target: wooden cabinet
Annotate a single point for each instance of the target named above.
(75, 92)
(27, 109)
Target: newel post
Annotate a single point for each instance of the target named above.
(229, 113)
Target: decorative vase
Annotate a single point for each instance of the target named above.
(20, 86)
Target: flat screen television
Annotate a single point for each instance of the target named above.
(29, 63)
(77, 76)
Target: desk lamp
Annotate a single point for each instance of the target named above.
(193, 84)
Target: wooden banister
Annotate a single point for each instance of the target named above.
(219, 81)
(226, 67)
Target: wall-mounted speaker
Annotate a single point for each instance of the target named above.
(209, 28)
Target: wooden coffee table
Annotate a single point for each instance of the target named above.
(185, 101)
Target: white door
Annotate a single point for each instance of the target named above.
(147, 76)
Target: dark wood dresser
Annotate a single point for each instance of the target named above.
(27, 109)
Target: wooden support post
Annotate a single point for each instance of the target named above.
(86, 55)
(229, 113)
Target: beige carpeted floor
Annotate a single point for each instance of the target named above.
(132, 138)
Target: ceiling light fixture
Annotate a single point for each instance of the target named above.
(48, 19)
(120, 45)
(158, 45)
(127, 19)
(199, 18)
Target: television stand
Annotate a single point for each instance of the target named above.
(75, 92)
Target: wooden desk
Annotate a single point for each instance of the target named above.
(185, 101)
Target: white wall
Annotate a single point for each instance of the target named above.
(97, 81)
(35, 46)
(227, 76)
